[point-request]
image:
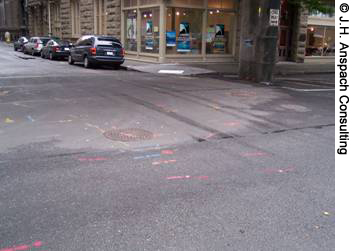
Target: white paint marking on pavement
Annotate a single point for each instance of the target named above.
(171, 71)
(308, 90)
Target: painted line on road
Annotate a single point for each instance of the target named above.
(308, 90)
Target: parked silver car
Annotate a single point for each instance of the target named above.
(35, 45)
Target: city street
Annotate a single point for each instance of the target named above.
(104, 159)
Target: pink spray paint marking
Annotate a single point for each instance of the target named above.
(232, 123)
(187, 177)
(167, 152)
(22, 247)
(92, 158)
(255, 154)
(35, 244)
(178, 177)
(277, 170)
(163, 162)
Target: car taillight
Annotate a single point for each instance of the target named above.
(56, 48)
(122, 52)
(93, 51)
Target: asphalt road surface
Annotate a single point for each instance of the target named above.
(103, 159)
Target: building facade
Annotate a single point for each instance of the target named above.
(165, 30)
(13, 18)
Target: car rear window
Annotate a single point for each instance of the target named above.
(111, 39)
(109, 44)
(44, 41)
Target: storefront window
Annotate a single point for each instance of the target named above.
(221, 4)
(150, 30)
(130, 42)
(320, 41)
(183, 31)
(220, 28)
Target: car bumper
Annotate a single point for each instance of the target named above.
(106, 60)
(62, 54)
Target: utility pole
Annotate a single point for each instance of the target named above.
(259, 37)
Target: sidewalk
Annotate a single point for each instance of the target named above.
(310, 66)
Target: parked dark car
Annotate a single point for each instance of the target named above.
(97, 50)
(56, 49)
(20, 43)
(35, 45)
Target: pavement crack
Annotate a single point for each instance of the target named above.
(299, 128)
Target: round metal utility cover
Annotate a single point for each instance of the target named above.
(127, 135)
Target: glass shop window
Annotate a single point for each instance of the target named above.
(220, 29)
(183, 31)
(150, 30)
(130, 42)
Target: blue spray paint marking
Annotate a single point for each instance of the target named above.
(30, 118)
(147, 156)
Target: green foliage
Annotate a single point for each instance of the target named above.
(314, 5)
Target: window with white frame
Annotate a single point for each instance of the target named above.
(75, 17)
(100, 17)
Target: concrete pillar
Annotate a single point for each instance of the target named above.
(258, 40)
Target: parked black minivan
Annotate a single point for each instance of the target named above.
(95, 50)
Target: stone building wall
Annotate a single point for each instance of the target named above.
(65, 19)
(12, 19)
(113, 10)
(86, 17)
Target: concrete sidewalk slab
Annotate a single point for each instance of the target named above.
(310, 66)
(175, 69)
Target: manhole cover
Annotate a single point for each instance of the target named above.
(129, 134)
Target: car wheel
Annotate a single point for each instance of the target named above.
(42, 54)
(87, 63)
(70, 60)
(33, 53)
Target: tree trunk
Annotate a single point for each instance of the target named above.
(258, 40)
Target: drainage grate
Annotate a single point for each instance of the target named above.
(129, 134)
